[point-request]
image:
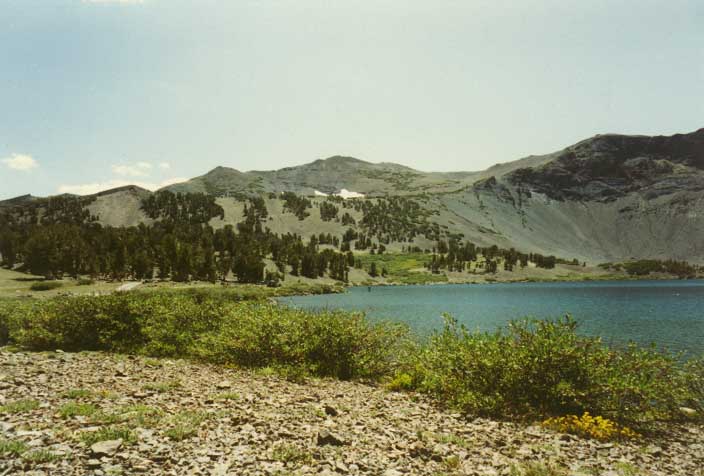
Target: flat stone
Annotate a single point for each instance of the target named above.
(326, 437)
(106, 448)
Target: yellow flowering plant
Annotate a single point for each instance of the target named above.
(588, 426)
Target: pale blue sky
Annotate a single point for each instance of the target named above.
(98, 93)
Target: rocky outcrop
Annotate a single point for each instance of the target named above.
(606, 167)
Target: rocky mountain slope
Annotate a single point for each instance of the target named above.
(607, 198)
(612, 197)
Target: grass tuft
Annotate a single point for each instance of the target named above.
(162, 387)
(19, 406)
(185, 425)
(40, 457)
(12, 448)
(77, 393)
(290, 454)
(108, 433)
(73, 409)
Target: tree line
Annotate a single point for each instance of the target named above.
(179, 245)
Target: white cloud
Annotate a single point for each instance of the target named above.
(21, 162)
(164, 165)
(140, 169)
(91, 188)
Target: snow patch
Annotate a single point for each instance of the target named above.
(318, 193)
(344, 193)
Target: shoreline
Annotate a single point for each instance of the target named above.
(518, 281)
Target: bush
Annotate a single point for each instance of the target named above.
(46, 285)
(85, 281)
(76, 323)
(195, 325)
(333, 344)
(544, 368)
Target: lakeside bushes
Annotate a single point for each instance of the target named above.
(540, 368)
(531, 369)
(210, 328)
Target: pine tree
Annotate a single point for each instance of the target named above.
(373, 270)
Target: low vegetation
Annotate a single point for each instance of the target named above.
(45, 285)
(531, 369)
(108, 433)
(540, 368)
(646, 267)
(587, 426)
(10, 448)
(211, 328)
(19, 406)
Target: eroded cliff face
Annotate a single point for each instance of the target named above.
(606, 198)
(606, 167)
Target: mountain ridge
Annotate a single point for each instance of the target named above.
(610, 197)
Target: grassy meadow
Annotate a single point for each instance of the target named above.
(17, 285)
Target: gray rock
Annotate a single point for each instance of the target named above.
(392, 472)
(326, 437)
(106, 448)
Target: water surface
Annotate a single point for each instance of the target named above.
(668, 313)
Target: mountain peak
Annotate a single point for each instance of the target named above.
(340, 160)
(220, 170)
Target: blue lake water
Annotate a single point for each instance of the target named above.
(667, 313)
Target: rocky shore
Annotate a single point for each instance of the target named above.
(99, 414)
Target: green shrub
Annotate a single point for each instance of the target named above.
(6, 310)
(401, 381)
(85, 281)
(46, 285)
(77, 323)
(542, 368)
(335, 344)
(215, 329)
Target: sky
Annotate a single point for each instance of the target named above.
(101, 93)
